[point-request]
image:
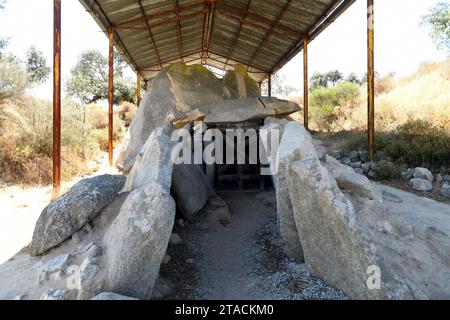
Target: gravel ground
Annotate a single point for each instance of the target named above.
(243, 260)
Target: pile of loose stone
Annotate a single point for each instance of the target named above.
(419, 179)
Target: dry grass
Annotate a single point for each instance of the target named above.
(26, 139)
(424, 95)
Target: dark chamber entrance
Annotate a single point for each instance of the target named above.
(241, 177)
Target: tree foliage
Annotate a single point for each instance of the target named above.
(437, 20)
(89, 79)
(13, 78)
(37, 67)
(325, 80)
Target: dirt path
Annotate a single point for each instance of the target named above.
(243, 260)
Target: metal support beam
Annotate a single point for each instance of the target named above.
(111, 98)
(270, 31)
(56, 97)
(138, 89)
(370, 79)
(269, 85)
(158, 57)
(305, 84)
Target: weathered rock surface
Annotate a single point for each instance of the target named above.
(153, 163)
(346, 238)
(348, 179)
(295, 141)
(137, 241)
(112, 296)
(239, 84)
(62, 218)
(445, 190)
(176, 90)
(423, 173)
(420, 184)
(190, 186)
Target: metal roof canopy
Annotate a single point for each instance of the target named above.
(262, 35)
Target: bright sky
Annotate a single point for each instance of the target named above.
(400, 44)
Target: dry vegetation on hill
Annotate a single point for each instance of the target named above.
(26, 138)
(412, 118)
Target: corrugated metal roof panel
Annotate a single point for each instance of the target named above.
(263, 35)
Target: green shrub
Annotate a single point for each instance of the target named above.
(418, 143)
(386, 170)
(323, 102)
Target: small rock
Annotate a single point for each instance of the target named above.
(445, 190)
(446, 178)
(337, 154)
(54, 265)
(438, 178)
(388, 227)
(111, 296)
(355, 165)
(420, 184)
(372, 165)
(93, 252)
(180, 223)
(21, 297)
(190, 261)
(408, 175)
(354, 156)
(175, 239)
(166, 259)
(346, 161)
(89, 282)
(423, 173)
(363, 155)
(359, 171)
(365, 167)
(53, 294)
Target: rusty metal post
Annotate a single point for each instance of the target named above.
(111, 98)
(56, 97)
(269, 85)
(138, 83)
(370, 79)
(305, 84)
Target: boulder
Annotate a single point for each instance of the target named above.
(420, 184)
(351, 241)
(153, 163)
(235, 111)
(176, 90)
(246, 109)
(423, 173)
(279, 106)
(190, 188)
(137, 241)
(296, 142)
(239, 84)
(326, 223)
(62, 218)
(348, 179)
(112, 296)
(445, 190)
